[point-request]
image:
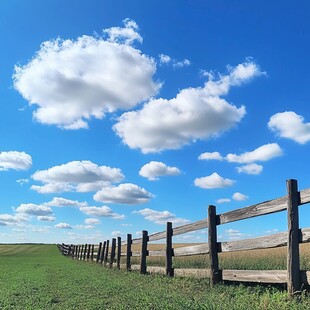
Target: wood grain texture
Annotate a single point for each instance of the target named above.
(192, 250)
(259, 276)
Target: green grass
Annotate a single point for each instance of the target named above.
(38, 277)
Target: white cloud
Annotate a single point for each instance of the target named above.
(84, 227)
(210, 156)
(101, 212)
(63, 226)
(62, 202)
(160, 217)
(262, 153)
(126, 193)
(213, 181)
(181, 64)
(155, 169)
(239, 196)
(71, 81)
(78, 176)
(22, 181)
(126, 35)
(116, 233)
(92, 221)
(250, 169)
(164, 59)
(8, 219)
(195, 113)
(234, 234)
(46, 218)
(33, 209)
(15, 160)
(223, 200)
(291, 126)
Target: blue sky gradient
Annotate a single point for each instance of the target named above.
(118, 116)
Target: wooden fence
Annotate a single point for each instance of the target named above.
(110, 254)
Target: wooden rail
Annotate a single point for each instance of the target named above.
(293, 276)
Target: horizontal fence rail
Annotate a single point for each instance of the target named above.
(109, 253)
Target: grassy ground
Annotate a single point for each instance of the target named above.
(38, 277)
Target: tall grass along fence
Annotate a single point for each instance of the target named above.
(111, 254)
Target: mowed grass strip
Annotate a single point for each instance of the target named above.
(38, 277)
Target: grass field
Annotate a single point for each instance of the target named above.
(38, 277)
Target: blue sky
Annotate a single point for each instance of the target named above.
(118, 116)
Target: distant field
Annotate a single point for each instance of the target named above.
(38, 277)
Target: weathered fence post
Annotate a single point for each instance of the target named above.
(128, 252)
(99, 252)
(213, 249)
(293, 263)
(82, 251)
(88, 252)
(169, 250)
(119, 252)
(85, 251)
(144, 251)
(103, 252)
(92, 252)
(112, 256)
(106, 253)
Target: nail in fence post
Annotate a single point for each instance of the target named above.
(128, 252)
(293, 263)
(212, 239)
(144, 252)
(106, 253)
(99, 252)
(169, 250)
(119, 252)
(112, 256)
(103, 252)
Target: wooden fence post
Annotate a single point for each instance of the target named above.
(106, 253)
(88, 252)
(144, 251)
(99, 252)
(112, 256)
(92, 252)
(85, 251)
(293, 263)
(213, 249)
(119, 252)
(103, 252)
(128, 252)
(82, 251)
(169, 250)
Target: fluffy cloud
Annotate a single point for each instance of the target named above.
(160, 217)
(62, 202)
(63, 226)
(126, 193)
(101, 212)
(210, 156)
(46, 218)
(250, 169)
(155, 169)
(239, 196)
(262, 153)
(15, 160)
(71, 81)
(8, 219)
(213, 181)
(291, 126)
(223, 200)
(195, 113)
(33, 209)
(165, 59)
(81, 176)
(92, 221)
